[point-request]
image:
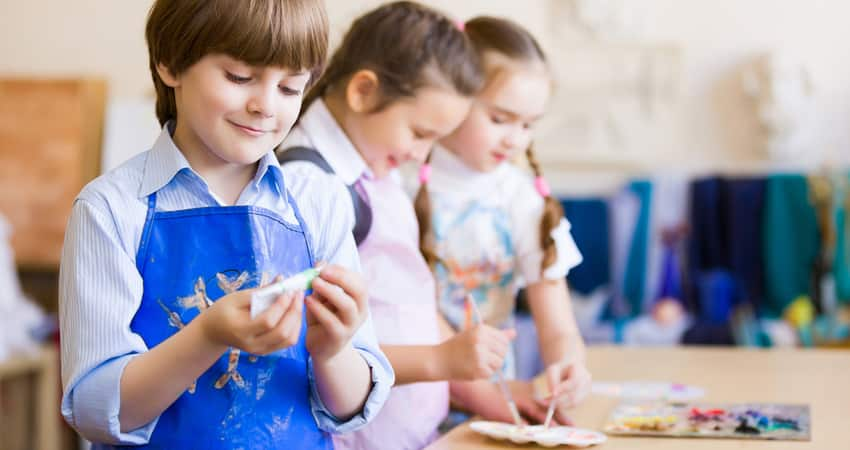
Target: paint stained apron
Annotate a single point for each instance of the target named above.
(190, 258)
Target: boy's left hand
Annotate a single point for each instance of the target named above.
(335, 310)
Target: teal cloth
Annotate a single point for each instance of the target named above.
(635, 278)
(841, 263)
(791, 241)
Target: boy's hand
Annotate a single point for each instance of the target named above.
(335, 310)
(475, 353)
(228, 322)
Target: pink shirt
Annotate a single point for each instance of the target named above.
(402, 298)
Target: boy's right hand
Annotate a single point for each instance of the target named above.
(228, 322)
(475, 353)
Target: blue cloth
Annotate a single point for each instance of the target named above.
(189, 257)
(718, 292)
(744, 232)
(726, 217)
(708, 247)
(589, 219)
(671, 275)
(841, 263)
(101, 288)
(635, 278)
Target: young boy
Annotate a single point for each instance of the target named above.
(158, 344)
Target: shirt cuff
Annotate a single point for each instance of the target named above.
(382, 380)
(91, 406)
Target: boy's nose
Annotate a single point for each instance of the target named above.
(261, 103)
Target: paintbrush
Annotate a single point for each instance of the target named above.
(500, 377)
(549, 413)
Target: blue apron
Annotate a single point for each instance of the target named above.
(190, 258)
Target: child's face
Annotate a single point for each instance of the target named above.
(500, 122)
(231, 113)
(406, 129)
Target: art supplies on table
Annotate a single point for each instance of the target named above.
(538, 434)
(736, 421)
(648, 390)
(263, 298)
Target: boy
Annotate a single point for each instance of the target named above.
(158, 346)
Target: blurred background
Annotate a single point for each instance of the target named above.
(701, 150)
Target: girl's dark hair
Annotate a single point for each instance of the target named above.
(283, 33)
(510, 40)
(408, 46)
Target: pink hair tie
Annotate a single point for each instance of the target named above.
(542, 187)
(461, 25)
(424, 173)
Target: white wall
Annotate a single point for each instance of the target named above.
(710, 124)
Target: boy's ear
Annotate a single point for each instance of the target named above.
(361, 93)
(166, 76)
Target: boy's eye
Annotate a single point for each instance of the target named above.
(236, 78)
(497, 120)
(289, 91)
(418, 135)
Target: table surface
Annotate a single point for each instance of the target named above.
(819, 378)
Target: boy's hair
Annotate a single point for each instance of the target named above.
(510, 40)
(281, 33)
(408, 46)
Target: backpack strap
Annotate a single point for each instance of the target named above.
(362, 211)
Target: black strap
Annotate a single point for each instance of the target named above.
(362, 211)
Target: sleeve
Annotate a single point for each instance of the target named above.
(100, 290)
(527, 210)
(328, 213)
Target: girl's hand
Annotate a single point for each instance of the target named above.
(335, 310)
(475, 353)
(570, 382)
(228, 322)
(532, 409)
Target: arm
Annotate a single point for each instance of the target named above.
(561, 344)
(350, 378)
(471, 354)
(152, 381)
(558, 334)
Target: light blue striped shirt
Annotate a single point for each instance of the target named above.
(101, 289)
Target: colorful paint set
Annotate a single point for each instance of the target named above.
(738, 421)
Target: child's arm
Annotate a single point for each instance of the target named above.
(471, 354)
(561, 345)
(152, 381)
(557, 331)
(327, 212)
(335, 311)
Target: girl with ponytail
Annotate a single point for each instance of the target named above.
(488, 229)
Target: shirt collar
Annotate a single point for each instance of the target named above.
(331, 141)
(165, 161)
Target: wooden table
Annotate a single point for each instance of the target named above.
(819, 378)
(42, 405)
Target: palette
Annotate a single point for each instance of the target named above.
(737, 421)
(649, 390)
(547, 437)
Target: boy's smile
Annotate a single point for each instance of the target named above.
(230, 114)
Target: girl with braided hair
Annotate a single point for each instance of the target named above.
(487, 228)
